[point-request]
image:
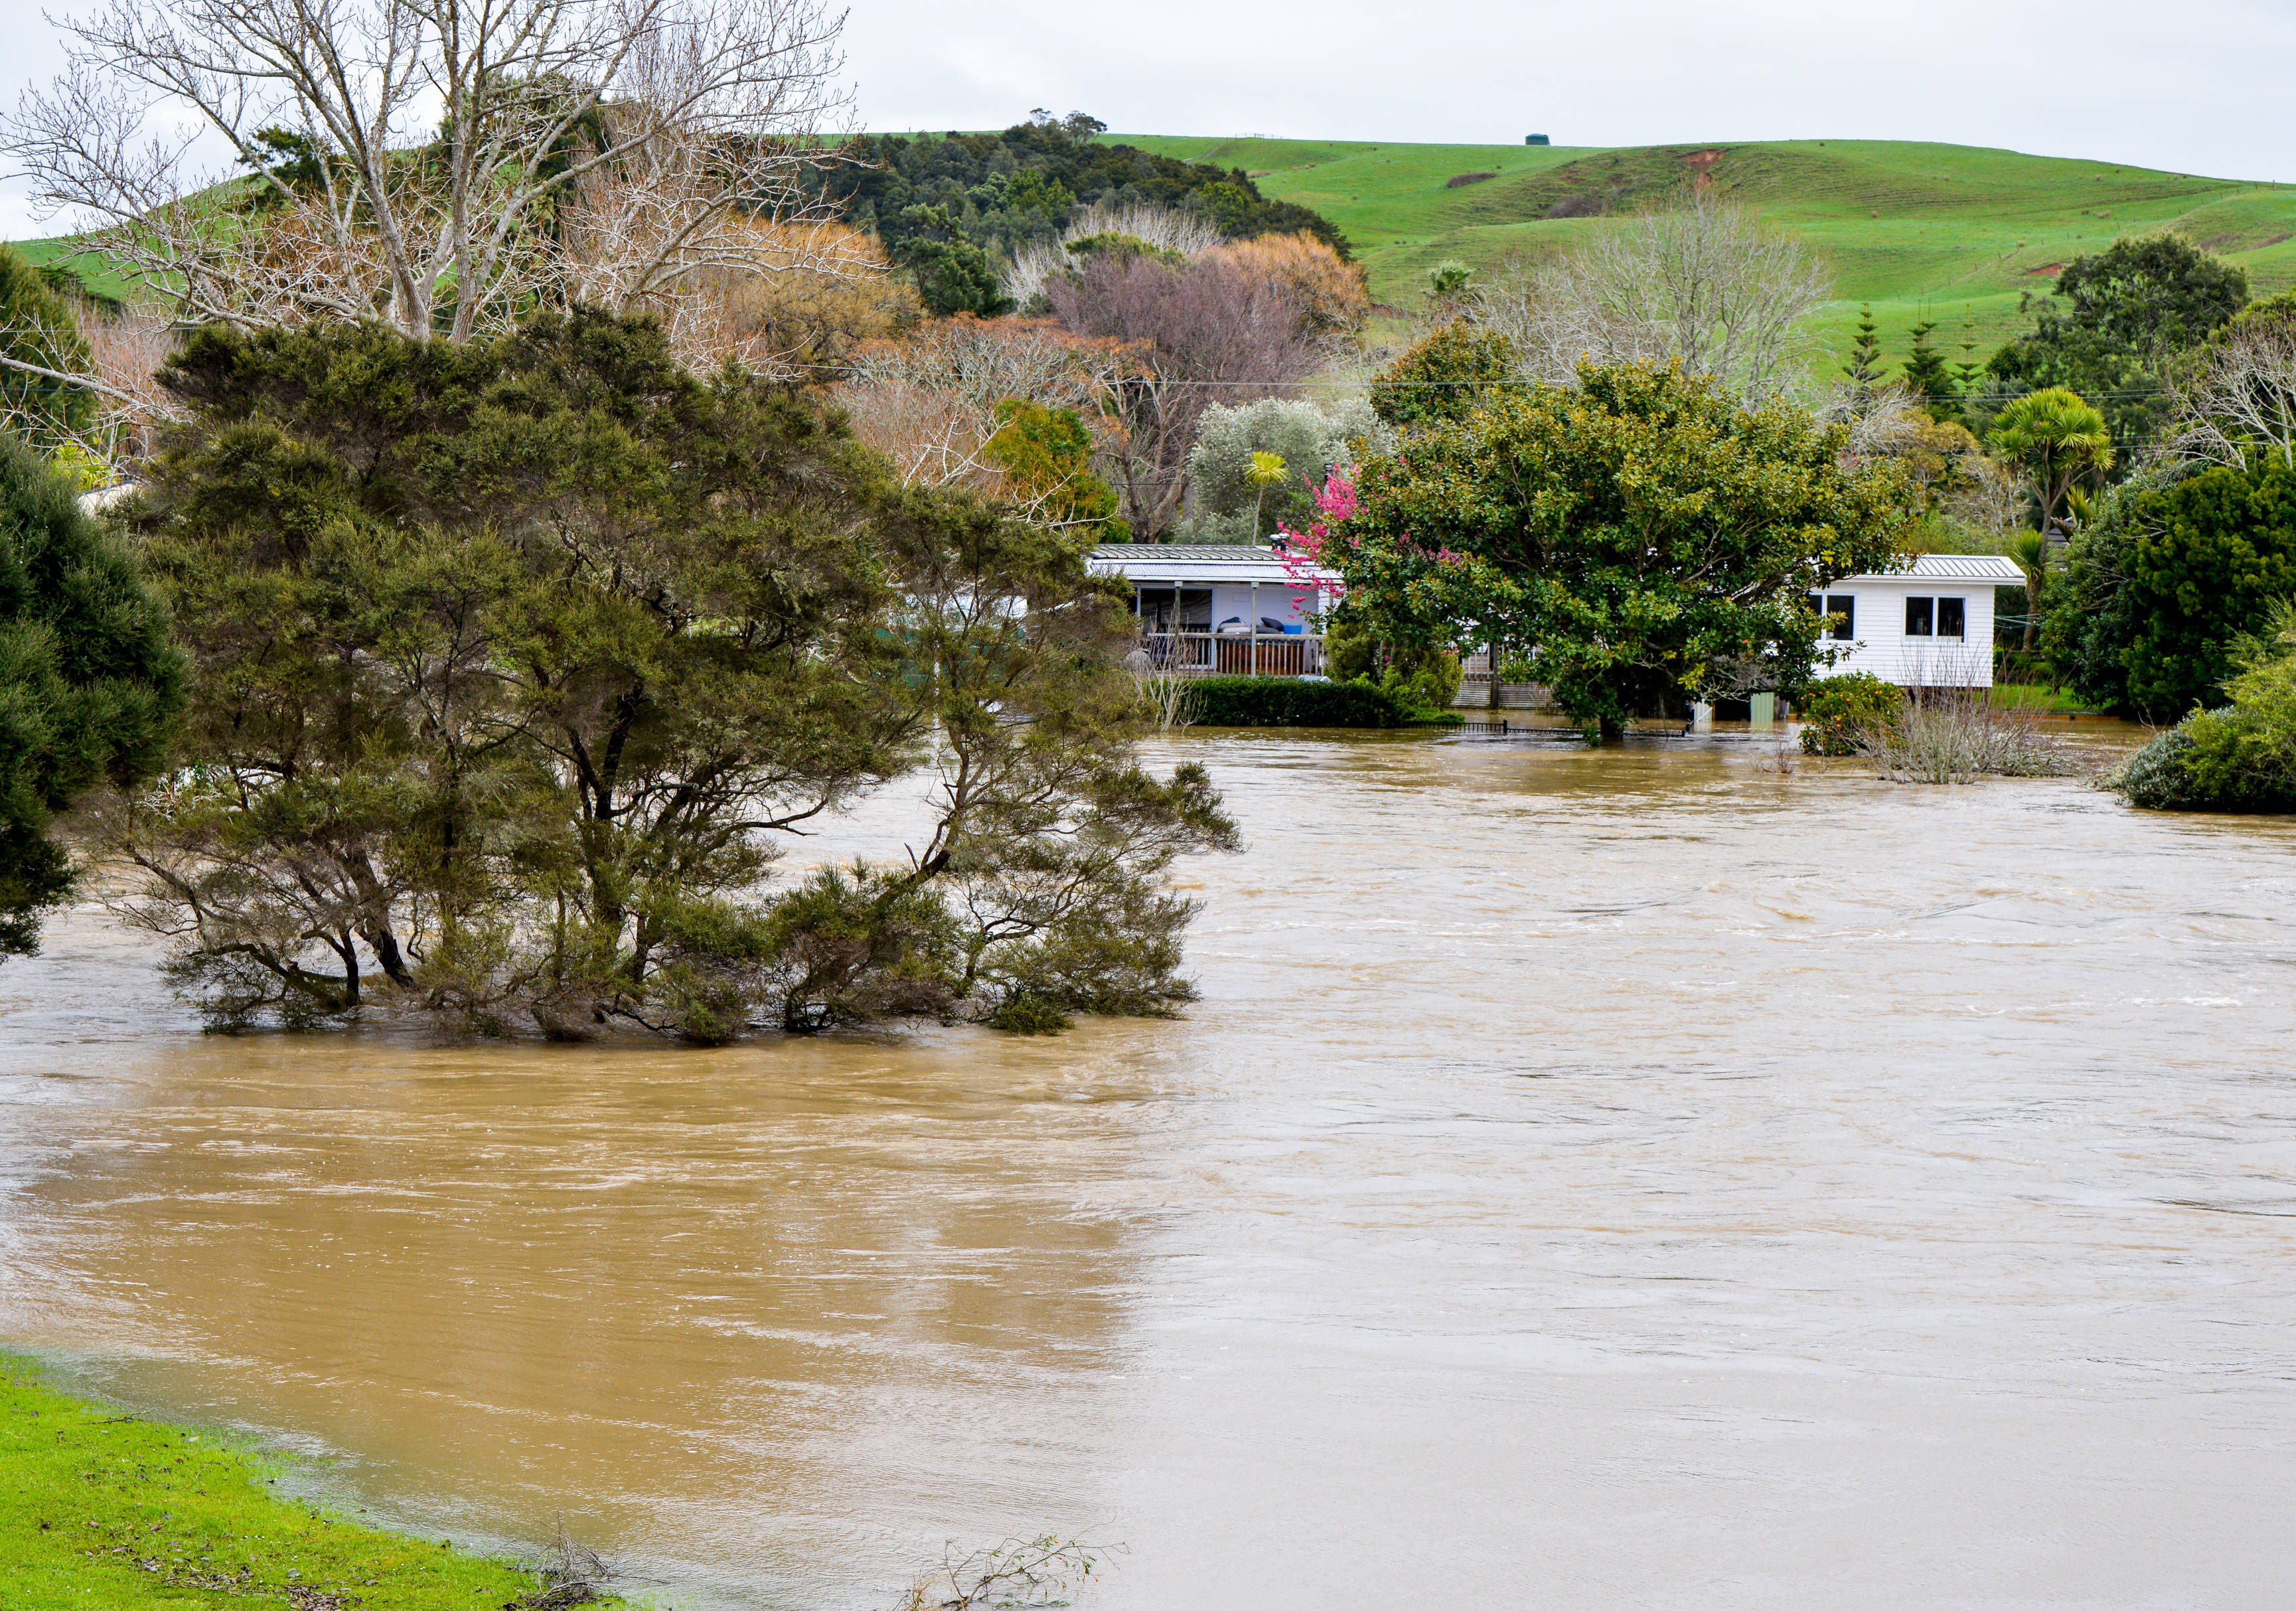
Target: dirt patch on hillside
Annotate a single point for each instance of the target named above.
(2050, 269)
(1700, 164)
(1456, 180)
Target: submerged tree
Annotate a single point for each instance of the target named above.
(516, 657)
(1643, 536)
(90, 688)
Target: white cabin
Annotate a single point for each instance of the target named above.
(1931, 627)
(1230, 608)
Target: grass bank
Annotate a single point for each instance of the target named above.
(100, 1511)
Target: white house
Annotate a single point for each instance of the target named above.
(1225, 607)
(1929, 627)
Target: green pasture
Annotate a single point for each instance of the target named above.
(1953, 234)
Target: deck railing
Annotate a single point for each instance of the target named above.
(1235, 653)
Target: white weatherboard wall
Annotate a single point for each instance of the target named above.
(1879, 644)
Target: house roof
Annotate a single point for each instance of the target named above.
(1994, 568)
(1232, 552)
(1199, 562)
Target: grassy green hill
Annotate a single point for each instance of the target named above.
(1950, 233)
(1945, 232)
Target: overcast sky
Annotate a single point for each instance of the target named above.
(2204, 86)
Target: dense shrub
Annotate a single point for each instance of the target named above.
(1839, 709)
(2238, 756)
(2215, 550)
(1295, 702)
(90, 689)
(2156, 777)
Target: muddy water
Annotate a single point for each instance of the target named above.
(1618, 1179)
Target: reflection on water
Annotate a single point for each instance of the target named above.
(1619, 1179)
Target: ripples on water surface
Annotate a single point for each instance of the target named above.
(1590, 1180)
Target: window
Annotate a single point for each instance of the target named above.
(1919, 612)
(1163, 610)
(1952, 618)
(1843, 605)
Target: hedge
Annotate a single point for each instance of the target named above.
(1294, 702)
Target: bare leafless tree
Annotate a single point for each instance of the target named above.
(440, 164)
(2236, 395)
(1702, 284)
(1211, 332)
(929, 401)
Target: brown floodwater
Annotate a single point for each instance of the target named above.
(1590, 1179)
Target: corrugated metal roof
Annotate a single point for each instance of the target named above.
(1953, 568)
(1234, 553)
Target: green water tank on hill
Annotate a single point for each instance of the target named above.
(1534, 140)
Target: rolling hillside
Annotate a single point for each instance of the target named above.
(1945, 232)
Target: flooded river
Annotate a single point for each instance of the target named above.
(1590, 1180)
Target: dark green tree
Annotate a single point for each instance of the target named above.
(40, 349)
(1928, 373)
(1444, 377)
(2114, 319)
(90, 687)
(1863, 369)
(953, 274)
(1642, 534)
(517, 657)
(2209, 558)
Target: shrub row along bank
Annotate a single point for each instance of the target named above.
(1291, 702)
(102, 1510)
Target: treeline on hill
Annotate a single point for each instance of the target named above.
(949, 207)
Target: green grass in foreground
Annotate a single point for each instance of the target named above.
(101, 1511)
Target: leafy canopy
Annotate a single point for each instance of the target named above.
(517, 657)
(1645, 537)
(2209, 558)
(2113, 318)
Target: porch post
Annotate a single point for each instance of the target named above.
(1251, 610)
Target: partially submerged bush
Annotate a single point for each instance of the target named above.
(1840, 708)
(2155, 776)
(1028, 1015)
(2238, 756)
(1958, 735)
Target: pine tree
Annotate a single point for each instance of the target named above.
(1865, 366)
(1965, 371)
(1927, 373)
